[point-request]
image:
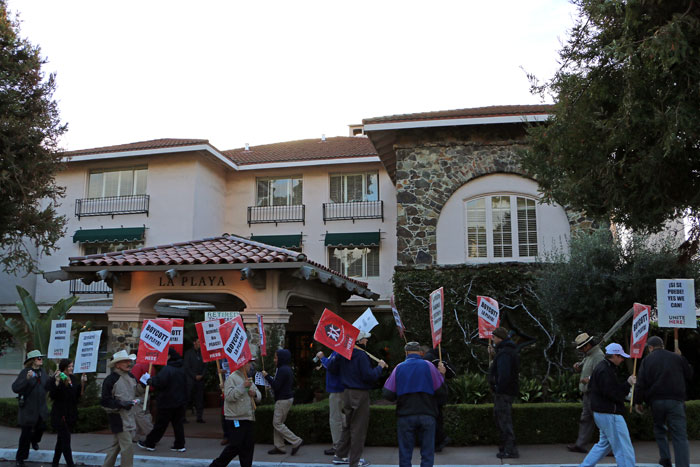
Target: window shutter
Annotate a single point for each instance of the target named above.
(476, 228)
(527, 227)
(336, 188)
(372, 187)
(501, 227)
(372, 255)
(95, 185)
(263, 192)
(354, 188)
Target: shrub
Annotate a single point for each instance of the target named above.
(530, 390)
(563, 388)
(471, 388)
(92, 418)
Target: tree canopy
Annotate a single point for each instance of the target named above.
(624, 140)
(29, 130)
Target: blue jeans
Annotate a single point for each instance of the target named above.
(613, 435)
(408, 428)
(670, 415)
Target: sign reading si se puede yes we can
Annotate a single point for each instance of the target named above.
(155, 341)
(675, 301)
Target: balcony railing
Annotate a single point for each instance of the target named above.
(112, 205)
(276, 214)
(353, 211)
(78, 287)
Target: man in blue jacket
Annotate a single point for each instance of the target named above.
(503, 377)
(334, 388)
(282, 385)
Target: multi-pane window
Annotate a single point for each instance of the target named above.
(100, 248)
(355, 262)
(279, 191)
(350, 188)
(491, 232)
(118, 182)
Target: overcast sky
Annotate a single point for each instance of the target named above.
(258, 72)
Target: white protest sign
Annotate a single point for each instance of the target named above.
(59, 345)
(675, 300)
(366, 321)
(86, 354)
(155, 336)
(176, 336)
(225, 315)
(212, 337)
(436, 305)
(488, 312)
(260, 379)
(235, 342)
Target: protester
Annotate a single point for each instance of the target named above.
(608, 394)
(358, 377)
(239, 415)
(418, 387)
(441, 438)
(32, 415)
(118, 393)
(225, 373)
(64, 389)
(194, 370)
(170, 404)
(142, 414)
(281, 386)
(503, 377)
(661, 384)
(592, 356)
(334, 388)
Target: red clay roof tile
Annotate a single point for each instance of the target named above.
(491, 111)
(303, 150)
(138, 146)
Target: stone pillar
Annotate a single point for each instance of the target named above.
(124, 335)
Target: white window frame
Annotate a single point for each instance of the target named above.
(111, 247)
(364, 259)
(290, 190)
(121, 170)
(344, 187)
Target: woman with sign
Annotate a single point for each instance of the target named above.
(64, 390)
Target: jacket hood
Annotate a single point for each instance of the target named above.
(284, 357)
(174, 358)
(506, 343)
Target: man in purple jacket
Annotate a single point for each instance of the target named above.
(418, 387)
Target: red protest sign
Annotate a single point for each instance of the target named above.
(263, 339)
(640, 329)
(397, 317)
(211, 345)
(437, 300)
(236, 348)
(336, 333)
(488, 315)
(154, 341)
(177, 336)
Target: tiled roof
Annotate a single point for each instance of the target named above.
(139, 146)
(303, 150)
(492, 111)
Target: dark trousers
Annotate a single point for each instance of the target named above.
(165, 416)
(195, 396)
(586, 424)
(440, 434)
(409, 428)
(62, 443)
(241, 443)
(669, 415)
(356, 411)
(30, 434)
(503, 413)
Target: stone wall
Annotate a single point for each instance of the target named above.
(124, 335)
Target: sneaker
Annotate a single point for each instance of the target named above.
(143, 445)
(363, 463)
(575, 448)
(182, 449)
(340, 460)
(276, 451)
(35, 446)
(296, 448)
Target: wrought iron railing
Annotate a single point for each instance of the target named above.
(276, 214)
(112, 205)
(355, 210)
(78, 287)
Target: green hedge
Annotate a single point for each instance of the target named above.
(89, 418)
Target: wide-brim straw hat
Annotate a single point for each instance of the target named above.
(32, 355)
(120, 357)
(582, 339)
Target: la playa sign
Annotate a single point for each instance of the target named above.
(195, 280)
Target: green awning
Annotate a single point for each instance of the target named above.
(128, 234)
(281, 241)
(353, 239)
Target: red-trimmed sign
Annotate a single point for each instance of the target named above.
(488, 315)
(211, 345)
(640, 329)
(437, 300)
(155, 341)
(236, 348)
(263, 339)
(397, 318)
(336, 333)
(177, 335)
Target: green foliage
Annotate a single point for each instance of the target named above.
(30, 128)
(470, 388)
(563, 388)
(531, 390)
(90, 418)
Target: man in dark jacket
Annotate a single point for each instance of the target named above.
(418, 387)
(30, 386)
(503, 377)
(661, 384)
(441, 438)
(282, 385)
(194, 370)
(607, 395)
(170, 403)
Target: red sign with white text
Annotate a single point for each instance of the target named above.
(640, 329)
(437, 300)
(177, 335)
(211, 345)
(155, 341)
(488, 316)
(336, 333)
(235, 339)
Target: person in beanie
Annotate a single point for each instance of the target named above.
(417, 386)
(661, 383)
(33, 412)
(503, 378)
(608, 402)
(282, 385)
(592, 357)
(64, 389)
(195, 369)
(170, 403)
(334, 388)
(118, 393)
(239, 414)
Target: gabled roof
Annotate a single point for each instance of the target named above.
(138, 146)
(491, 111)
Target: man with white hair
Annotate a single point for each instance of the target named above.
(118, 397)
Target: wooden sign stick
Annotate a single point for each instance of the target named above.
(634, 373)
(368, 354)
(148, 387)
(218, 372)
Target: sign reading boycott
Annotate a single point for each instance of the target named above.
(640, 330)
(177, 337)
(675, 300)
(155, 341)
(489, 316)
(437, 299)
(336, 333)
(212, 347)
(236, 348)
(397, 317)
(86, 353)
(59, 345)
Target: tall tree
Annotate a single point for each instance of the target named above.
(624, 140)
(29, 130)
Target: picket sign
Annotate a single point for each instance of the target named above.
(488, 315)
(397, 319)
(236, 348)
(437, 301)
(675, 302)
(154, 343)
(638, 338)
(59, 345)
(177, 335)
(336, 333)
(366, 322)
(87, 352)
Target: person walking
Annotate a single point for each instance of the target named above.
(661, 383)
(418, 387)
(282, 385)
(118, 394)
(64, 390)
(607, 402)
(503, 377)
(194, 370)
(334, 388)
(142, 414)
(592, 357)
(441, 438)
(33, 412)
(358, 377)
(170, 404)
(239, 413)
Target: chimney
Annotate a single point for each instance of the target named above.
(247, 147)
(323, 137)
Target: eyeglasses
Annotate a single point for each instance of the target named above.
(38, 358)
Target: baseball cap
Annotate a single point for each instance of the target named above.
(615, 349)
(363, 335)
